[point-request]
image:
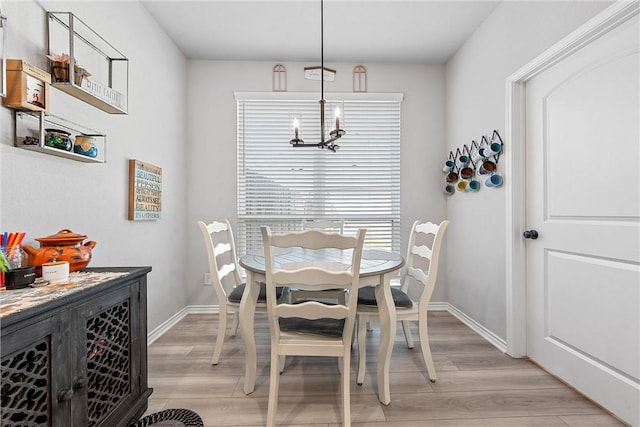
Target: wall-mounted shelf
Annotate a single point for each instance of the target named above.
(106, 87)
(31, 132)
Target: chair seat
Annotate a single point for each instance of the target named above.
(236, 294)
(367, 296)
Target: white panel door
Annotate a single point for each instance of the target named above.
(583, 199)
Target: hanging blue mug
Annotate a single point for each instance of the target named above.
(448, 166)
(493, 148)
(494, 180)
(473, 185)
(462, 161)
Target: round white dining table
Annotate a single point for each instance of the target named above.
(377, 268)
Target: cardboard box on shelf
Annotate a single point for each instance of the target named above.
(27, 86)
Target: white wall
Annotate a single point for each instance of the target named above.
(212, 135)
(42, 194)
(182, 118)
(513, 34)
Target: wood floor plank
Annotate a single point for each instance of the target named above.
(292, 410)
(590, 421)
(485, 404)
(477, 422)
(486, 380)
(187, 388)
(155, 405)
(478, 386)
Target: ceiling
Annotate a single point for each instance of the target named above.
(397, 31)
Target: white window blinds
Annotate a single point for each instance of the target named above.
(281, 186)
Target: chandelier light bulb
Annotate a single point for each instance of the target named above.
(296, 127)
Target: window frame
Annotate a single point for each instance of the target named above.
(247, 240)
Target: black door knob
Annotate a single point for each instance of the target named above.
(530, 234)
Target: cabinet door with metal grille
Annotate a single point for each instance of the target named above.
(36, 388)
(112, 374)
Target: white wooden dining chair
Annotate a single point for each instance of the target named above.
(412, 299)
(331, 226)
(312, 328)
(226, 280)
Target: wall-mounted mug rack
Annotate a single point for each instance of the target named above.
(465, 165)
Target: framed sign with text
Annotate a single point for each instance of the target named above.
(145, 191)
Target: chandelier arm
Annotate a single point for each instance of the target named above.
(333, 138)
(304, 144)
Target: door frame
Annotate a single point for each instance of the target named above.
(515, 164)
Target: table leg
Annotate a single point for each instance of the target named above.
(247, 317)
(387, 313)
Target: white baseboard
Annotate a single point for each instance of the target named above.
(169, 323)
(438, 306)
(203, 309)
(492, 338)
(495, 340)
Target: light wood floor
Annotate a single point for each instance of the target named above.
(477, 384)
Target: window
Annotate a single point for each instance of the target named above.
(281, 186)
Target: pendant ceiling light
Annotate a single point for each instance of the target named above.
(335, 133)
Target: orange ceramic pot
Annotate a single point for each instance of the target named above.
(65, 245)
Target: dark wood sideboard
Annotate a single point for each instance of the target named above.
(76, 354)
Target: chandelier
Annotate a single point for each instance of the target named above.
(334, 134)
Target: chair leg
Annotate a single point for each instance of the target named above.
(426, 349)
(355, 332)
(369, 327)
(222, 331)
(346, 390)
(234, 324)
(274, 386)
(406, 328)
(362, 352)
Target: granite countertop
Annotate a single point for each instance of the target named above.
(17, 300)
